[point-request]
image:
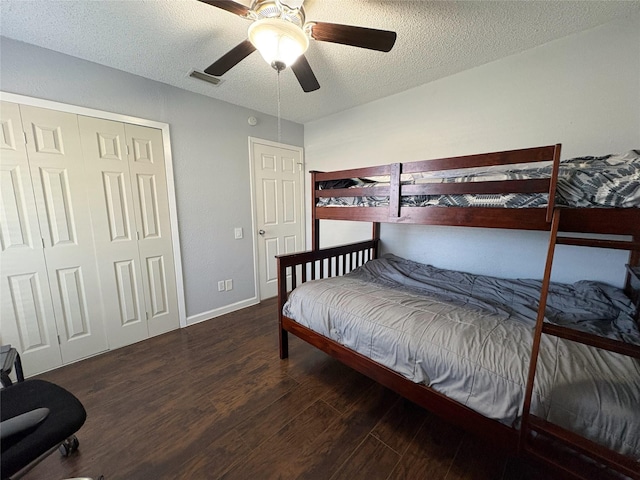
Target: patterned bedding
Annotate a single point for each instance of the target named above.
(469, 337)
(611, 181)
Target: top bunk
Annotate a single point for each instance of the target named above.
(517, 189)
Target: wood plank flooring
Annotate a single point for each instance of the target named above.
(214, 401)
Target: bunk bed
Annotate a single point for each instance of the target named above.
(413, 193)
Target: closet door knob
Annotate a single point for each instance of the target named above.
(261, 232)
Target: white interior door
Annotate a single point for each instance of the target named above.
(279, 208)
(114, 228)
(28, 321)
(57, 172)
(151, 208)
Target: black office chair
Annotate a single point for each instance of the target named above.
(37, 418)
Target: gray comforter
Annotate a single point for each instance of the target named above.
(469, 337)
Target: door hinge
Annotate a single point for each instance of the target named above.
(25, 137)
(59, 342)
(147, 315)
(128, 152)
(138, 235)
(41, 238)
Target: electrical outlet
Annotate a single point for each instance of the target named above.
(221, 286)
(228, 284)
(237, 233)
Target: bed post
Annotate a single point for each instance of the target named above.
(283, 337)
(632, 283)
(395, 172)
(375, 236)
(554, 181)
(315, 223)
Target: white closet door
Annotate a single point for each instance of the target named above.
(28, 321)
(57, 172)
(151, 205)
(114, 229)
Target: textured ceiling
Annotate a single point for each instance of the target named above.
(165, 39)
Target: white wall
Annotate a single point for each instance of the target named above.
(582, 91)
(209, 141)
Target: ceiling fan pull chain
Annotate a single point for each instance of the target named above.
(279, 120)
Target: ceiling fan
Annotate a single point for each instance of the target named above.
(280, 32)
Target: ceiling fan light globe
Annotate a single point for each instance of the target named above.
(278, 41)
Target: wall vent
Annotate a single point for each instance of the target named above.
(205, 77)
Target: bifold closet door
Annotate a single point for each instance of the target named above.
(151, 207)
(114, 226)
(57, 173)
(130, 213)
(28, 321)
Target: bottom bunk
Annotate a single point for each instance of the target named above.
(459, 344)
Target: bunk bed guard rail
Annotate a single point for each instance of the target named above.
(395, 190)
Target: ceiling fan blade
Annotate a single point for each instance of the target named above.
(230, 59)
(229, 6)
(305, 75)
(381, 40)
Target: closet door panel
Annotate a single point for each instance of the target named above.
(151, 208)
(111, 202)
(19, 230)
(57, 201)
(57, 170)
(28, 321)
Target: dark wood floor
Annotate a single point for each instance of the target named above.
(214, 401)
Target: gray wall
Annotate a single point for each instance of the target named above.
(209, 142)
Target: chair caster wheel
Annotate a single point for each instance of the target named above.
(69, 446)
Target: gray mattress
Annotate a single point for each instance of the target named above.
(611, 181)
(469, 337)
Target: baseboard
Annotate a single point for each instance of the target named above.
(201, 317)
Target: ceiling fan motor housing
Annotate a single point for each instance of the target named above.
(277, 9)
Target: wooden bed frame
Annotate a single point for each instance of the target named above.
(321, 263)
